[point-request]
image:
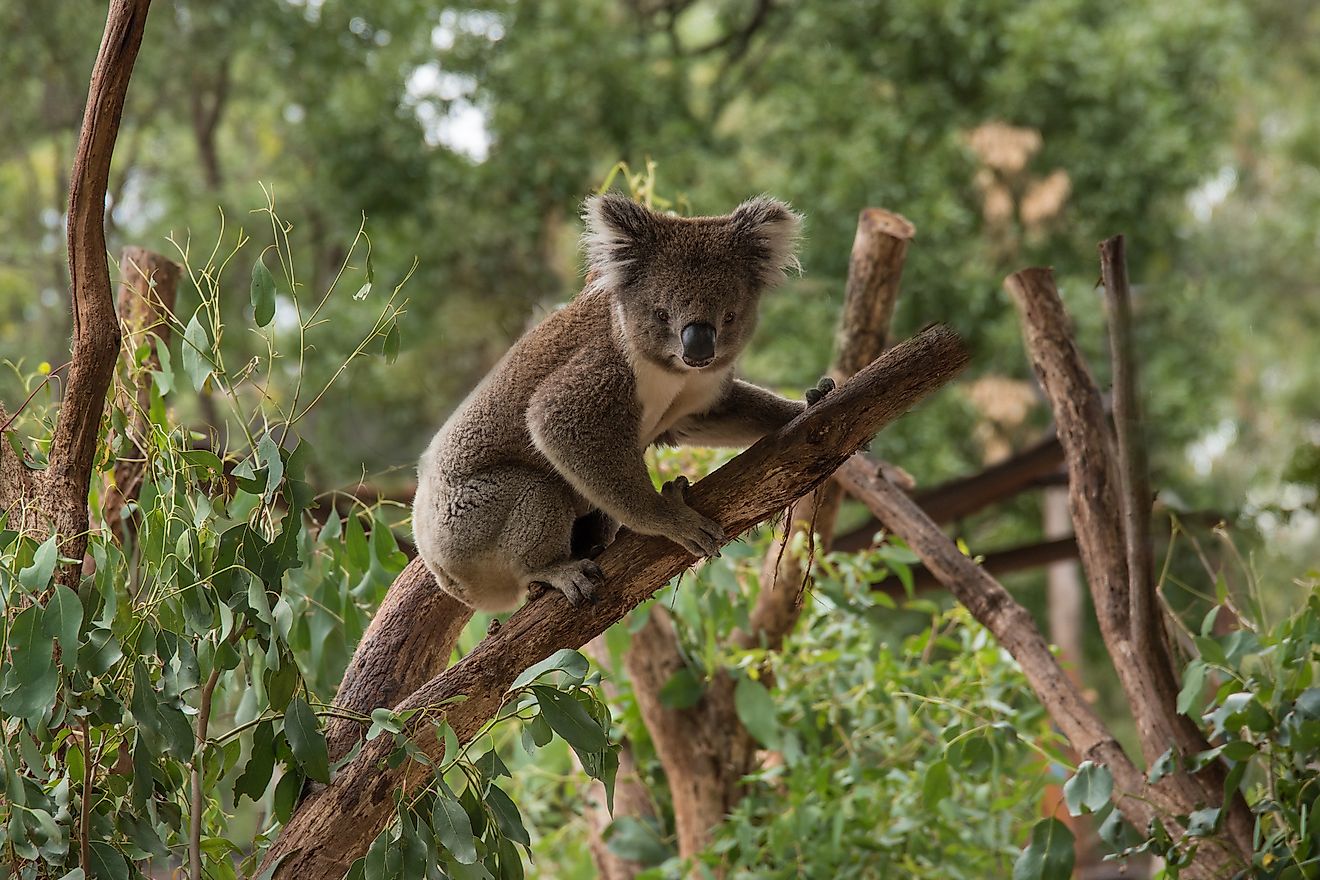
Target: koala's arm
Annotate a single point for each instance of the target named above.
(583, 420)
(745, 414)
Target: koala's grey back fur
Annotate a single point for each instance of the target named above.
(553, 437)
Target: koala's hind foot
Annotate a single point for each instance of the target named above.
(817, 394)
(577, 579)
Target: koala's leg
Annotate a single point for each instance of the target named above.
(592, 533)
(745, 414)
(489, 535)
(538, 540)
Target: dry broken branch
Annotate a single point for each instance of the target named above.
(335, 825)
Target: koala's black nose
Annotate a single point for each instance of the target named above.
(698, 344)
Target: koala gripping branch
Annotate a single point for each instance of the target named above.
(336, 824)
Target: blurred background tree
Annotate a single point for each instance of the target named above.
(467, 134)
(1010, 133)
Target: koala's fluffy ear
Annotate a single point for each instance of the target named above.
(619, 233)
(770, 230)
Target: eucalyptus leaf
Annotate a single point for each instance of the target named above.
(756, 710)
(262, 293)
(1049, 855)
(306, 740)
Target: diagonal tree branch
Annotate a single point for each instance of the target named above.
(875, 271)
(336, 825)
(1014, 628)
(407, 643)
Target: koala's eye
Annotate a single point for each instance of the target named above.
(662, 316)
(728, 317)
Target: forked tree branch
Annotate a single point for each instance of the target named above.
(336, 825)
(1146, 675)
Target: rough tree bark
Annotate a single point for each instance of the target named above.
(1146, 675)
(407, 643)
(705, 750)
(59, 493)
(148, 284)
(335, 825)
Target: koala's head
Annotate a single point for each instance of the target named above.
(686, 289)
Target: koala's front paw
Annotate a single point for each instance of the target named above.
(817, 394)
(694, 532)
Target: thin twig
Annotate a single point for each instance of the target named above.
(85, 813)
(203, 721)
(28, 399)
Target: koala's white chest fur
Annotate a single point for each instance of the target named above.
(666, 396)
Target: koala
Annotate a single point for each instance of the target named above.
(543, 462)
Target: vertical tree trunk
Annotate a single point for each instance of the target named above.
(147, 287)
(61, 493)
(1146, 675)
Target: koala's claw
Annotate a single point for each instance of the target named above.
(697, 534)
(817, 394)
(577, 580)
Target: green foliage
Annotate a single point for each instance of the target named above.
(1255, 691)
(465, 824)
(919, 755)
(210, 645)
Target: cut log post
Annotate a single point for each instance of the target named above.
(335, 825)
(148, 283)
(875, 272)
